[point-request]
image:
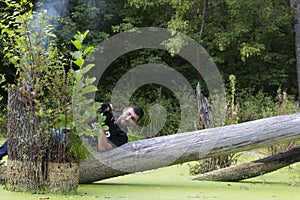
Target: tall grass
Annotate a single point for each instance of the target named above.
(260, 105)
(252, 107)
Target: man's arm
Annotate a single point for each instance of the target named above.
(103, 144)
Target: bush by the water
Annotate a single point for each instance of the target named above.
(251, 107)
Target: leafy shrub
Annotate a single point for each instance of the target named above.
(252, 107)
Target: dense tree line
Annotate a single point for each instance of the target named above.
(253, 40)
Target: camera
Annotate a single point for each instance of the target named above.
(106, 111)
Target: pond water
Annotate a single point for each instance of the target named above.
(173, 183)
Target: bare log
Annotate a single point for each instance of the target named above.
(254, 168)
(179, 148)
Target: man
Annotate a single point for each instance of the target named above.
(117, 133)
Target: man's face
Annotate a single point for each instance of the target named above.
(128, 117)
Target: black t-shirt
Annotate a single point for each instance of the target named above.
(116, 135)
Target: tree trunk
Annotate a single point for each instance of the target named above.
(254, 168)
(26, 152)
(28, 165)
(295, 6)
(179, 148)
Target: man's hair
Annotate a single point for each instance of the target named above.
(138, 111)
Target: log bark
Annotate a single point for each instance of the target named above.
(179, 148)
(254, 168)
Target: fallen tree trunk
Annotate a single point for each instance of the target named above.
(179, 148)
(254, 168)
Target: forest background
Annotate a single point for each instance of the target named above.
(253, 42)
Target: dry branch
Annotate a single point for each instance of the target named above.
(254, 168)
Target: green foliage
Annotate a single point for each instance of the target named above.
(83, 106)
(157, 95)
(249, 38)
(25, 39)
(135, 13)
(261, 105)
(84, 15)
(252, 39)
(232, 117)
(3, 113)
(55, 91)
(244, 107)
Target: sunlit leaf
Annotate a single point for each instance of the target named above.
(89, 89)
(88, 50)
(77, 44)
(79, 62)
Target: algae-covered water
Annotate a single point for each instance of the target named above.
(174, 183)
